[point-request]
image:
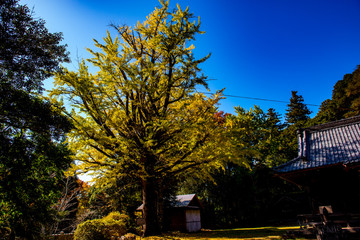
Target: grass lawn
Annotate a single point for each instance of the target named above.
(258, 233)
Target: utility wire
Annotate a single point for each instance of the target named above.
(259, 99)
(253, 98)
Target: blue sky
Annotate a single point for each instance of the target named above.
(260, 48)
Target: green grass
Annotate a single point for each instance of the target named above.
(258, 233)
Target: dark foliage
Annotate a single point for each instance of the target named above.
(32, 160)
(345, 101)
(239, 197)
(28, 52)
(297, 112)
(32, 131)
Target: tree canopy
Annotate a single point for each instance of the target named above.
(256, 136)
(28, 53)
(345, 100)
(32, 131)
(297, 112)
(138, 116)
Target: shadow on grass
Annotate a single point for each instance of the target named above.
(237, 233)
(249, 232)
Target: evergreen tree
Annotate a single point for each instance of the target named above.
(273, 148)
(296, 116)
(273, 119)
(297, 112)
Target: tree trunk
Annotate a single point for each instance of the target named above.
(150, 207)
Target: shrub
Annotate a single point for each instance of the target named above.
(115, 224)
(117, 216)
(90, 230)
(130, 236)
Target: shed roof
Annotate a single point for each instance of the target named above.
(183, 201)
(327, 144)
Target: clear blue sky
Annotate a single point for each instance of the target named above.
(260, 48)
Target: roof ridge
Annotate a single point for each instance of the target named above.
(185, 194)
(334, 124)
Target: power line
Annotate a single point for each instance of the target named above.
(259, 99)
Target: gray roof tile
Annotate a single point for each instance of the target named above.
(332, 143)
(184, 200)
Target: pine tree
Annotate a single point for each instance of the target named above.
(297, 112)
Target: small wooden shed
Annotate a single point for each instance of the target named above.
(184, 214)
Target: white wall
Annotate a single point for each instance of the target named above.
(193, 221)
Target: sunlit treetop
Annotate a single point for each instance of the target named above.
(139, 115)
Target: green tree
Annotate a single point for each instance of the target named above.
(273, 147)
(297, 116)
(297, 112)
(138, 117)
(327, 112)
(246, 129)
(345, 101)
(256, 136)
(353, 93)
(28, 53)
(32, 155)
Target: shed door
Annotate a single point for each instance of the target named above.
(193, 221)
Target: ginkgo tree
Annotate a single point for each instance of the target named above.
(139, 115)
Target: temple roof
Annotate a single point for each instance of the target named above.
(327, 144)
